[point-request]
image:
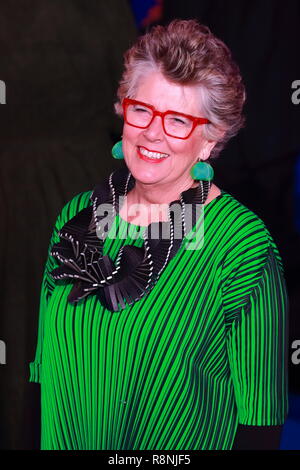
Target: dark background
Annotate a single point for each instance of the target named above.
(61, 61)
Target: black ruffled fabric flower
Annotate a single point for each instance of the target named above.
(136, 271)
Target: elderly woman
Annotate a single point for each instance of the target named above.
(163, 318)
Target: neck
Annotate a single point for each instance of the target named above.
(153, 201)
(148, 194)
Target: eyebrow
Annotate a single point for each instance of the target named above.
(169, 110)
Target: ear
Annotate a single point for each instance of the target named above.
(118, 109)
(206, 149)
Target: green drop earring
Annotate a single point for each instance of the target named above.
(117, 151)
(202, 171)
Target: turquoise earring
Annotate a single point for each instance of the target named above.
(202, 171)
(117, 151)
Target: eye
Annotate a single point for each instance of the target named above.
(140, 109)
(178, 120)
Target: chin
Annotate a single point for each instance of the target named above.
(145, 177)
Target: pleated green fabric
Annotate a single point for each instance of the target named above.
(205, 350)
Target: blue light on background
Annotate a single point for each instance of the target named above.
(140, 10)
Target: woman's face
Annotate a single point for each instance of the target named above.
(164, 95)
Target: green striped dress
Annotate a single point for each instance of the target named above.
(205, 350)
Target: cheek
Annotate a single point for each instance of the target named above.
(194, 147)
(130, 135)
(187, 150)
(127, 142)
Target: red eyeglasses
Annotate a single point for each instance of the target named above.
(141, 115)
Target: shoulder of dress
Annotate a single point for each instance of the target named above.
(79, 202)
(238, 221)
(243, 233)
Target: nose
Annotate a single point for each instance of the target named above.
(155, 131)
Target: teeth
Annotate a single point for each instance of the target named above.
(153, 154)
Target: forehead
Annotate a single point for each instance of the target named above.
(164, 94)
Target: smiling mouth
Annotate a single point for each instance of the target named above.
(152, 155)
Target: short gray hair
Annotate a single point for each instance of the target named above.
(187, 53)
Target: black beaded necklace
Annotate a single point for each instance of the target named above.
(137, 269)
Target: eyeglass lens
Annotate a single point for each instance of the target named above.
(175, 124)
